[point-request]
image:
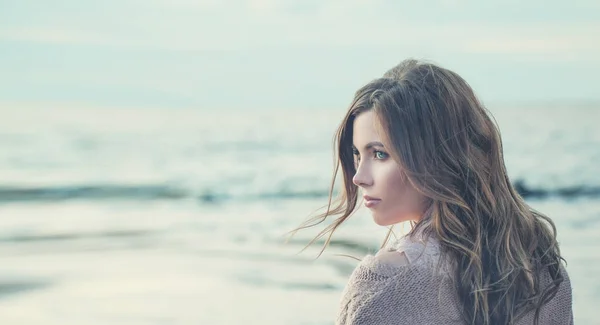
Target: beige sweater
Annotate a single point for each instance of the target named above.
(393, 288)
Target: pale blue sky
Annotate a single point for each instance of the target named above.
(288, 54)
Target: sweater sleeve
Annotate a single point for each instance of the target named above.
(379, 293)
(362, 298)
(375, 293)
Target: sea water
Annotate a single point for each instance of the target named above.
(158, 216)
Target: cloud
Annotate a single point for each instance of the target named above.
(188, 49)
(565, 42)
(52, 35)
(210, 25)
(568, 40)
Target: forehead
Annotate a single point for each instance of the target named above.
(366, 128)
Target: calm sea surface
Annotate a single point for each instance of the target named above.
(133, 216)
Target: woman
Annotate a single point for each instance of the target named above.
(420, 147)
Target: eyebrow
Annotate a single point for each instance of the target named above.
(371, 145)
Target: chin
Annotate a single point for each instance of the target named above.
(384, 222)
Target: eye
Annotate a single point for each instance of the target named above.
(380, 155)
(355, 154)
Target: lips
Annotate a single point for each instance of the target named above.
(371, 201)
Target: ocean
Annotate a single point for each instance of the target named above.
(178, 216)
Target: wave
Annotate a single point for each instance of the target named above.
(170, 192)
(567, 192)
(10, 288)
(114, 234)
(92, 192)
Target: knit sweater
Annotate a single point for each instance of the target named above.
(393, 288)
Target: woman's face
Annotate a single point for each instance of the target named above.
(386, 192)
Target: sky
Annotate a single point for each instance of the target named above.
(287, 54)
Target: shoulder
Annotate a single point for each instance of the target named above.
(400, 280)
(401, 257)
(417, 250)
(389, 273)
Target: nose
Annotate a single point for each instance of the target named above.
(362, 177)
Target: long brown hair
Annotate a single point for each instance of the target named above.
(450, 150)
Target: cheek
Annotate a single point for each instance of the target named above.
(404, 201)
(392, 179)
